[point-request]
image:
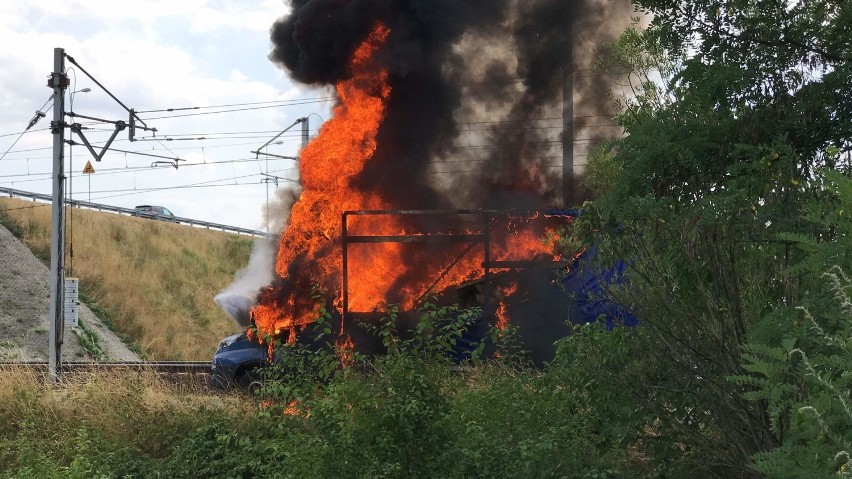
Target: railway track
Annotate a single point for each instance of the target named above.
(161, 367)
(194, 373)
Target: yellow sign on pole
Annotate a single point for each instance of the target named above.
(88, 170)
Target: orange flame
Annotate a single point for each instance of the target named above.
(292, 409)
(346, 351)
(502, 313)
(310, 251)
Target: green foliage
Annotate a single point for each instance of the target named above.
(256, 446)
(714, 199)
(806, 386)
(97, 457)
(602, 170)
(517, 422)
(805, 382)
(644, 68)
(90, 341)
(829, 237)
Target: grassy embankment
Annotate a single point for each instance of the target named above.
(401, 415)
(100, 424)
(152, 281)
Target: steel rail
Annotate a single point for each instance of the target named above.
(161, 367)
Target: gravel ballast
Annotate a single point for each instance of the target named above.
(25, 311)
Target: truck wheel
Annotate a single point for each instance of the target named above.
(251, 381)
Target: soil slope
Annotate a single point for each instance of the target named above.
(25, 309)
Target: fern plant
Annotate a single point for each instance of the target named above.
(830, 218)
(805, 385)
(807, 391)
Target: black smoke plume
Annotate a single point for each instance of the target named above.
(435, 55)
(475, 115)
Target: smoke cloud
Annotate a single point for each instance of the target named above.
(474, 119)
(475, 116)
(236, 300)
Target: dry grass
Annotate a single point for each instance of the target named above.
(131, 407)
(153, 281)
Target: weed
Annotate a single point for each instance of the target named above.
(13, 226)
(90, 341)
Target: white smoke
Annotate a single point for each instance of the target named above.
(237, 299)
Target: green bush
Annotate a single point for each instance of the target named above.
(798, 358)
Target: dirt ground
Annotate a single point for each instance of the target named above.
(25, 309)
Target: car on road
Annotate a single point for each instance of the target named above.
(154, 212)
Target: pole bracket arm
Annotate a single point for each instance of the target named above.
(78, 129)
(174, 164)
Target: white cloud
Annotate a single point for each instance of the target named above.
(202, 16)
(154, 54)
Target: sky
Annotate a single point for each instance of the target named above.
(156, 55)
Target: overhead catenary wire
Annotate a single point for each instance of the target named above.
(197, 148)
(13, 144)
(297, 136)
(260, 133)
(134, 169)
(224, 134)
(183, 115)
(460, 147)
(229, 105)
(38, 115)
(130, 192)
(19, 132)
(287, 137)
(113, 171)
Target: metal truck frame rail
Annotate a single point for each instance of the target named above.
(483, 237)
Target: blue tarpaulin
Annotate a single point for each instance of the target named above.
(586, 280)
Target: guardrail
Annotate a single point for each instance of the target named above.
(12, 193)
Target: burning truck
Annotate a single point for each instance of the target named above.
(377, 219)
(494, 275)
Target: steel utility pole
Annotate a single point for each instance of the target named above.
(59, 82)
(306, 132)
(267, 177)
(568, 185)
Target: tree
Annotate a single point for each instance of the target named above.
(751, 99)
